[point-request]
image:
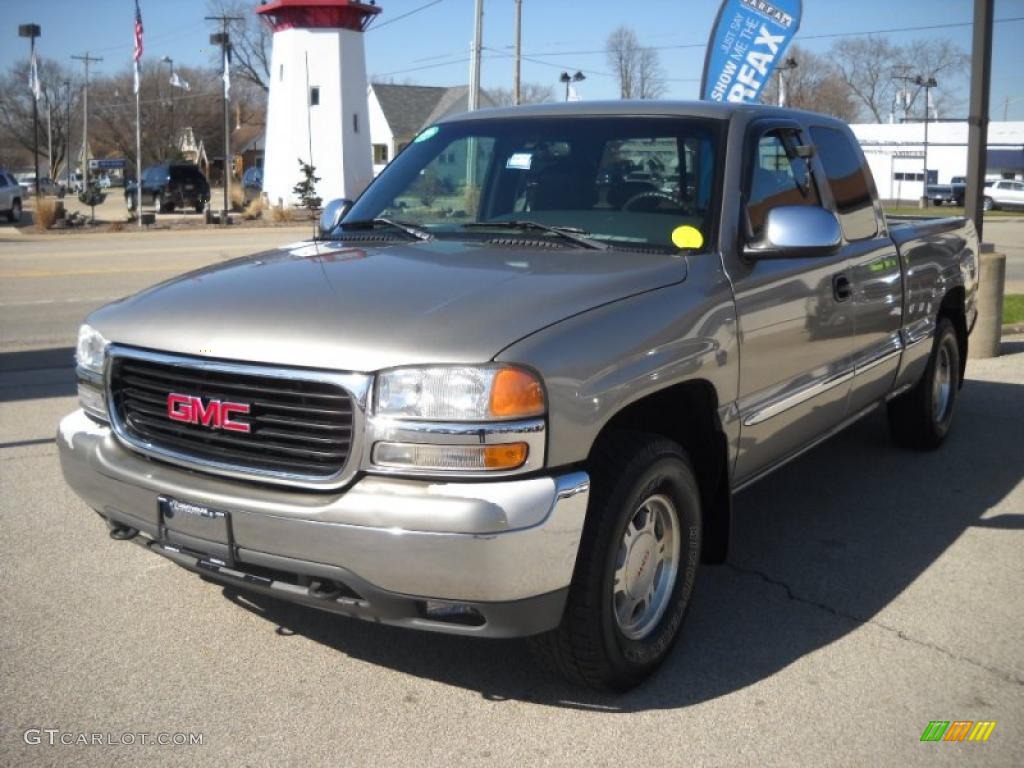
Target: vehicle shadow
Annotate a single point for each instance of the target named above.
(820, 547)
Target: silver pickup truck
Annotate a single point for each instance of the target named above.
(511, 390)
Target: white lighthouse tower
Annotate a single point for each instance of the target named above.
(317, 98)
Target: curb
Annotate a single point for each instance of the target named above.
(1013, 330)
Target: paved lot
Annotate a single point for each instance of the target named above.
(869, 591)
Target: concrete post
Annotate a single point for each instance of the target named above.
(988, 329)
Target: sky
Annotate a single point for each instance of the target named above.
(431, 45)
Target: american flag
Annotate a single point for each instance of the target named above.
(137, 54)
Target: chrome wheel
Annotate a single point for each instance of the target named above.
(942, 384)
(646, 566)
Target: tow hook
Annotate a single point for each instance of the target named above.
(325, 590)
(123, 532)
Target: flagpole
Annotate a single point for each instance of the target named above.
(138, 154)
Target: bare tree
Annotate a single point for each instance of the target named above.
(638, 69)
(875, 71)
(530, 93)
(250, 40)
(815, 84)
(16, 114)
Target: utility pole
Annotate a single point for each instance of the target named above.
(517, 94)
(32, 31)
(67, 142)
(86, 60)
(49, 141)
(474, 60)
(221, 38)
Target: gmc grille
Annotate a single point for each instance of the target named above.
(301, 428)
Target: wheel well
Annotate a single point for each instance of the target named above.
(953, 307)
(687, 413)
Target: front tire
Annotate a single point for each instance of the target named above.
(921, 418)
(14, 215)
(988, 204)
(636, 565)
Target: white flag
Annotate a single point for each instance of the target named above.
(227, 72)
(33, 78)
(574, 95)
(177, 82)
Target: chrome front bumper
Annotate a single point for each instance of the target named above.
(506, 547)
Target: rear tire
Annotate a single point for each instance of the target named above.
(636, 565)
(921, 418)
(14, 215)
(988, 204)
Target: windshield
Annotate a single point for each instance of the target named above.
(622, 181)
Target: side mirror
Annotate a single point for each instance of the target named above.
(795, 231)
(332, 215)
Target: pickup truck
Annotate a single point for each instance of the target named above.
(511, 390)
(951, 194)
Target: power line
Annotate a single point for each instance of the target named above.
(404, 15)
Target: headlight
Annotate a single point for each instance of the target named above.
(459, 393)
(92, 349)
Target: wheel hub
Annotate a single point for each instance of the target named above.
(647, 563)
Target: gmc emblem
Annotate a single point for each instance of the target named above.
(216, 414)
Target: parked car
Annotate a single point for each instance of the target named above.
(47, 186)
(252, 183)
(951, 194)
(1003, 194)
(524, 410)
(171, 185)
(10, 197)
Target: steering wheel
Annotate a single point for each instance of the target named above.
(652, 194)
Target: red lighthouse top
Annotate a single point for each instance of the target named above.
(313, 14)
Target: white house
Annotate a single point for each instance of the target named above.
(399, 112)
(895, 152)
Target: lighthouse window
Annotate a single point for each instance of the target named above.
(314, 96)
(355, 122)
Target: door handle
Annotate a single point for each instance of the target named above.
(841, 287)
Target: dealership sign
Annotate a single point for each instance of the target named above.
(748, 39)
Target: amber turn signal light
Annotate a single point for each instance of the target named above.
(515, 393)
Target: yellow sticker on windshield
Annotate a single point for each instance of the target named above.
(687, 237)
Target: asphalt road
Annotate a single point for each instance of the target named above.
(869, 591)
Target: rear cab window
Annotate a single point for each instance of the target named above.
(849, 181)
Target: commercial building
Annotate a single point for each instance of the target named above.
(895, 152)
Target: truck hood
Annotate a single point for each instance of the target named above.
(329, 305)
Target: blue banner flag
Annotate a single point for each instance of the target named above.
(748, 39)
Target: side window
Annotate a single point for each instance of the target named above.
(849, 180)
(778, 176)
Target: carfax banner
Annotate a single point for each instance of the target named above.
(748, 39)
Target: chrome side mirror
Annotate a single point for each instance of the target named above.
(795, 231)
(332, 215)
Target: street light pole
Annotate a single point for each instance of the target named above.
(927, 84)
(566, 78)
(517, 93)
(221, 38)
(32, 31)
(67, 142)
(790, 63)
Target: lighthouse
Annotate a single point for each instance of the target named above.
(317, 109)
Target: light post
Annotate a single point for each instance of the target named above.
(174, 138)
(32, 31)
(790, 63)
(566, 78)
(222, 39)
(926, 83)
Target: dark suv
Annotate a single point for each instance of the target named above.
(171, 185)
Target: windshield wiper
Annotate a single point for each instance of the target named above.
(573, 234)
(410, 229)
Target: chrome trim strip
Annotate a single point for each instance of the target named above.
(533, 432)
(356, 384)
(783, 404)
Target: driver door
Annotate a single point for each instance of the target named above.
(795, 315)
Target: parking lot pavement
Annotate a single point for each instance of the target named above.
(868, 592)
